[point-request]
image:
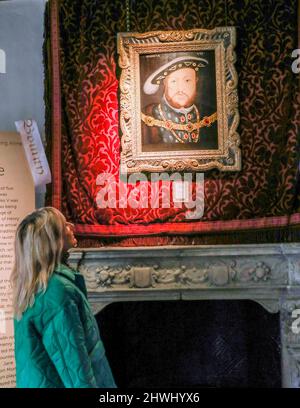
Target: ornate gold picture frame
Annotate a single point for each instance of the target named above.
(178, 101)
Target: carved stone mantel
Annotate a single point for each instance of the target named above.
(268, 274)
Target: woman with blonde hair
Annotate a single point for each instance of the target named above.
(57, 342)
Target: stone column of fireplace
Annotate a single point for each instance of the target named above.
(290, 321)
(268, 274)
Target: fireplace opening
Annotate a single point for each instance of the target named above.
(192, 344)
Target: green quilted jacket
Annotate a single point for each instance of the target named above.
(57, 341)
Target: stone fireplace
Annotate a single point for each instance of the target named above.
(268, 274)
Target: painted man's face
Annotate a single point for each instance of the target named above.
(180, 88)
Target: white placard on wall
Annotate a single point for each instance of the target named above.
(17, 199)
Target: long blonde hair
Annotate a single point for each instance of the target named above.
(38, 250)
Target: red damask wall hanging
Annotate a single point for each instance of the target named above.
(84, 136)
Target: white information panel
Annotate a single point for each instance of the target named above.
(17, 199)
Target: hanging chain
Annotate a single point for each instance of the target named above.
(226, 13)
(127, 15)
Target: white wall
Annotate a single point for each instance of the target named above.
(22, 86)
(21, 38)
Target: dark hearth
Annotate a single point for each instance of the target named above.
(192, 344)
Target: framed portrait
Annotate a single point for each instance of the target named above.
(178, 101)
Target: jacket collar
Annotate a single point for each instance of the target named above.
(72, 276)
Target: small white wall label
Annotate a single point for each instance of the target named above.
(2, 62)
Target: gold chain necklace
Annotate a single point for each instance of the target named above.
(171, 126)
(190, 123)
